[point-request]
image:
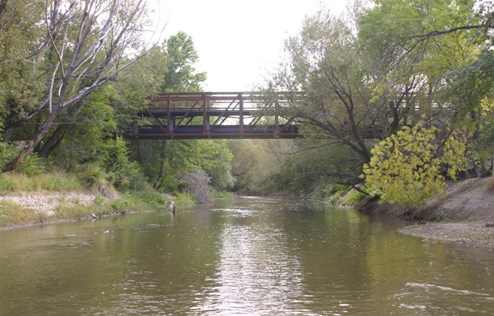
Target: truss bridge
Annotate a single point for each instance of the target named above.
(215, 115)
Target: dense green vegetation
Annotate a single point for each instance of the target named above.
(53, 121)
(393, 92)
(407, 75)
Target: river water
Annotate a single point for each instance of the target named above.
(249, 256)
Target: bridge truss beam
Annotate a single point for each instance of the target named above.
(198, 115)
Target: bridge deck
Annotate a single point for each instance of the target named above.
(196, 115)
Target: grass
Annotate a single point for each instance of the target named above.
(14, 214)
(58, 181)
(222, 195)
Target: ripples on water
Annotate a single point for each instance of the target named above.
(252, 256)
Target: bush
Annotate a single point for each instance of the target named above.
(152, 198)
(409, 167)
(329, 190)
(14, 214)
(197, 183)
(353, 197)
(185, 200)
(121, 171)
(92, 175)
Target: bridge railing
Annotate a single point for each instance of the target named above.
(220, 100)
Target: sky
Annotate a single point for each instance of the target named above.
(239, 42)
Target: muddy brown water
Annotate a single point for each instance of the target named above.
(250, 256)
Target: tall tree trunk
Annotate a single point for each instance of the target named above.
(53, 141)
(28, 149)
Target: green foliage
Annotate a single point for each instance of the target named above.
(85, 130)
(314, 164)
(93, 174)
(99, 200)
(121, 171)
(369, 75)
(409, 167)
(122, 203)
(183, 156)
(14, 214)
(21, 78)
(222, 195)
(186, 156)
(7, 153)
(215, 160)
(399, 37)
(33, 165)
(257, 163)
(389, 30)
(332, 191)
(181, 74)
(185, 200)
(353, 197)
(154, 199)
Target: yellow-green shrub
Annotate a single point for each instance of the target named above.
(408, 167)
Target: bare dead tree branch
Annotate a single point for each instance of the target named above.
(87, 55)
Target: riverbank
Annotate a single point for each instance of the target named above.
(473, 234)
(464, 213)
(30, 208)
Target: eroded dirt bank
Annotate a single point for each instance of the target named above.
(463, 214)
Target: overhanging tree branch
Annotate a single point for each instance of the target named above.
(455, 29)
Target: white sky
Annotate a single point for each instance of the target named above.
(238, 41)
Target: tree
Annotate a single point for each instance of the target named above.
(107, 112)
(446, 45)
(326, 63)
(182, 56)
(21, 82)
(187, 156)
(367, 77)
(410, 167)
(405, 36)
(86, 45)
(180, 157)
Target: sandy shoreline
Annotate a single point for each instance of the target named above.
(472, 234)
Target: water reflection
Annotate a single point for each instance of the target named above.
(256, 273)
(250, 256)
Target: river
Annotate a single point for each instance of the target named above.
(248, 256)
